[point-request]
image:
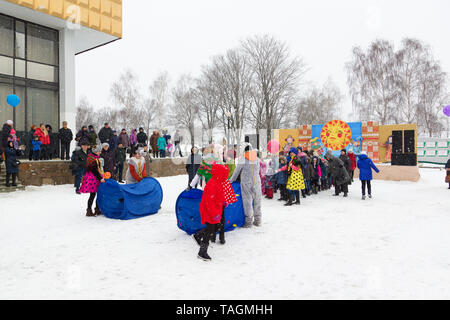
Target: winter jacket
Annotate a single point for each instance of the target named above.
(124, 140)
(82, 137)
(316, 171)
(337, 170)
(11, 155)
(365, 166)
(133, 138)
(65, 135)
(142, 138)
(80, 159)
(37, 145)
(167, 137)
(162, 144)
(323, 169)
(447, 166)
(247, 170)
(92, 138)
(105, 135)
(93, 166)
(192, 165)
(352, 158)
(347, 163)
(52, 146)
(282, 176)
(45, 139)
(6, 134)
(120, 155)
(113, 144)
(109, 160)
(29, 137)
(154, 141)
(213, 198)
(177, 138)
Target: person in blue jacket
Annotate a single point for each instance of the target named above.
(365, 166)
(282, 178)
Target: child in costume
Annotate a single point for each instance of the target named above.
(92, 180)
(214, 200)
(295, 181)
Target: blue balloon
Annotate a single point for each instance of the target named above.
(13, 100)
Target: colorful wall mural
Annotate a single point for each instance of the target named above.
(367, 136)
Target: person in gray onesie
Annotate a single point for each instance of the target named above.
(247, 169)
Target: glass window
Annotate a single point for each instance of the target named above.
(20, 68)
(19, 123)
(42, 107)
(42, 44)
(42, 72)
(6, 36)
(6, 65)
(6, 111)
(20, 39)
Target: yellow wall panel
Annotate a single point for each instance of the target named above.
(386, 132)
(104, 15)
(42, 5)
(26, 3)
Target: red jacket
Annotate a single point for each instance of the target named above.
(45, 139)
(352, 160)
(213, 199)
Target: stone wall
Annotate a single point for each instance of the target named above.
(55, 172)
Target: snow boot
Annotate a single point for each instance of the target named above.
(257, 223)
(303, 193)
(248, 224)
(297, 196)
(345, 195)
(197, 238)
(97, 211)
(370, 196)
(203, 254)
(363, 198)
(222, 238)
(289, 203)
(89, 213)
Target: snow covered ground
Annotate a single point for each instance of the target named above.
(396, 245)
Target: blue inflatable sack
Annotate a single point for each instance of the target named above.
(130, 201)
(187, 210)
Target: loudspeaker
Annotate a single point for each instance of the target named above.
(397, 142)
(404, 159)
(410, 141)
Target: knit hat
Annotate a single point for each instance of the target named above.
(97, 149)
(9, 122)
(104, 145)
(141, 152)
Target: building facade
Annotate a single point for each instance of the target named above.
(39, 40)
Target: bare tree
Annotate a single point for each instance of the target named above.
(85, 113)
(372, 82)
(208, 100)
(230, 76)
(125, 93)
(319, 105)
(184, 109)
(148, 114)
(159, 93)
(276, 77)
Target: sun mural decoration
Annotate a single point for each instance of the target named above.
(336, 135)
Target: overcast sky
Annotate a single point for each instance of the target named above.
(182, 35)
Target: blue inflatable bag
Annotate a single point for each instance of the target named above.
(130, 201)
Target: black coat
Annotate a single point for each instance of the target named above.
(82, 136)
(192, 165)
(142, 138)
(110, 160)
(11, 155)
(79, 159)
(6, 133)
(347, 163)
(338, 172)
(105, 135)
(121, 155)
(65, 135)
(52, 147)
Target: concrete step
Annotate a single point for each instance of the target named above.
(4, 189)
